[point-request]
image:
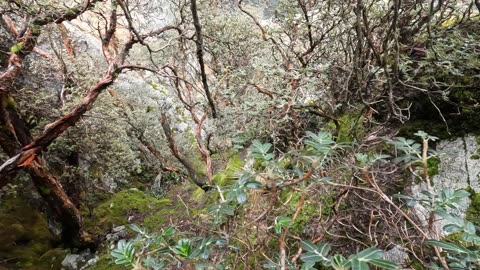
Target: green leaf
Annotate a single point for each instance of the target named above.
(369, 254)
(359, 265)
(340, 263)
(137, 228)
(282, 222)
(384, 264)
(168, 231)
(315, 253)
(449, 246)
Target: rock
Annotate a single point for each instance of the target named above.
(397, 254)
(117, 234)
(79, 261)
(90, 263)
(72, 261)
(119, 229)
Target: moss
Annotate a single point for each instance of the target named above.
(36, 29)
(473, 211)
(24, 234)
(117, 210)
(11, 104)
(457, 239)
(351, 127)
(44, 190)
(433, 166)
(417, 265)
(72, 11)
(475, 156)
(17, 48)
(311, 209)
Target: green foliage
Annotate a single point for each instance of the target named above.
(231, 171)
(282, 223)
(351, 128)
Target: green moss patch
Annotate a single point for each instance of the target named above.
(133, 204)
(351, 127)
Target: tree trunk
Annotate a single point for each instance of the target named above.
(65, 211)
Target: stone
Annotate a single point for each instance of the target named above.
(72, 261)
(118, 233)
(396, 254)
(79, 261)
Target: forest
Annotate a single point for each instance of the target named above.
(239, 134)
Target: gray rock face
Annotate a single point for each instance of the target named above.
(457, 170)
